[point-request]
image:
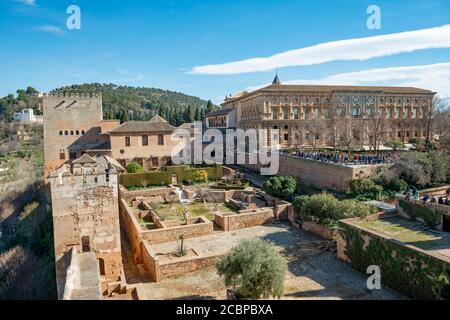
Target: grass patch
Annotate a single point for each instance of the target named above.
(175, 212)
(410, 232)
(146, 224)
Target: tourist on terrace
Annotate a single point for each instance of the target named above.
(441, 200)
(434, 199)
(425, 198)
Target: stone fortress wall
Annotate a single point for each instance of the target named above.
(86, 217)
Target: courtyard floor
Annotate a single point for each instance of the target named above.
(314, 272)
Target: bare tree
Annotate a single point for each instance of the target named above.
(317, 129)
(379, 126)
(437, 105)
(348, 134)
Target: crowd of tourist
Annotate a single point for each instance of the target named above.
(413, 193)
(343, 157)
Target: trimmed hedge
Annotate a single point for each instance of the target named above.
(141, 179)
(158, 178)
(431, 217)
(413, 273)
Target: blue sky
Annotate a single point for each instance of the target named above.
(186, 45)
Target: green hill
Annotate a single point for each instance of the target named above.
(131, 103)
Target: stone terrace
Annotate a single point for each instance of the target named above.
(314, 272)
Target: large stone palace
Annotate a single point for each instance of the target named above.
(334, 116)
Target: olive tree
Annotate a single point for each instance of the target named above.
(254, 269)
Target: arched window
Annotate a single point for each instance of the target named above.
(71, 132)
(66, 133)
(82, 132)
(60, 133)
(77, 132)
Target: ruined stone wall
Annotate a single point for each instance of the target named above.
(85, 211)
(131, 227)
(245, 219)
(129, 195)
(71, 124)
(158, 270)
(172, 233)
(187, 264)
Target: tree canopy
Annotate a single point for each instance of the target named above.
(255, 269)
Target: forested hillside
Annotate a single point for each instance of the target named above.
(120, 102)
(130, 103)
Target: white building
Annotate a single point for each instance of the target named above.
(27, 116)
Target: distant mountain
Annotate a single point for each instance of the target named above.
(138, 103)
(120, 102)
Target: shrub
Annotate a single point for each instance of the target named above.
(282, 187)
(255, 269)
(398, 185)
(366, 189)
(395, 145)
(134, 167)
(326, 210)
(199, 176)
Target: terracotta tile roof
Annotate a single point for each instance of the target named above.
(143, 126)
(85, 158)
(332, 88)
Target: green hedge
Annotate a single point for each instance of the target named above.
(157, 178)
(415, 210)
(410, 272)
(154, 178)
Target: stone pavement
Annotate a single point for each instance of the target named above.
(314, 272)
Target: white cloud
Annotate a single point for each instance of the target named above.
(27, 2)
(51, 29)
(351, 49)
(434, 77)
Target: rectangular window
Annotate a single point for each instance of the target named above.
(316, 112)
(107, 175)
(85, 244)
(296, 113)
(145, 140)
(274, 114)
(160, 139)
(127, 142)
(356, 112)
(155, 162)
(62, 155)
(397, 113)
(389, 112)
(414, 113)
(285, 114)
(286, 137)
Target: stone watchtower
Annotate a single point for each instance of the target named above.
(71, 126)
(86, 219)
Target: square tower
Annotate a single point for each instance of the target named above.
(72, 125)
